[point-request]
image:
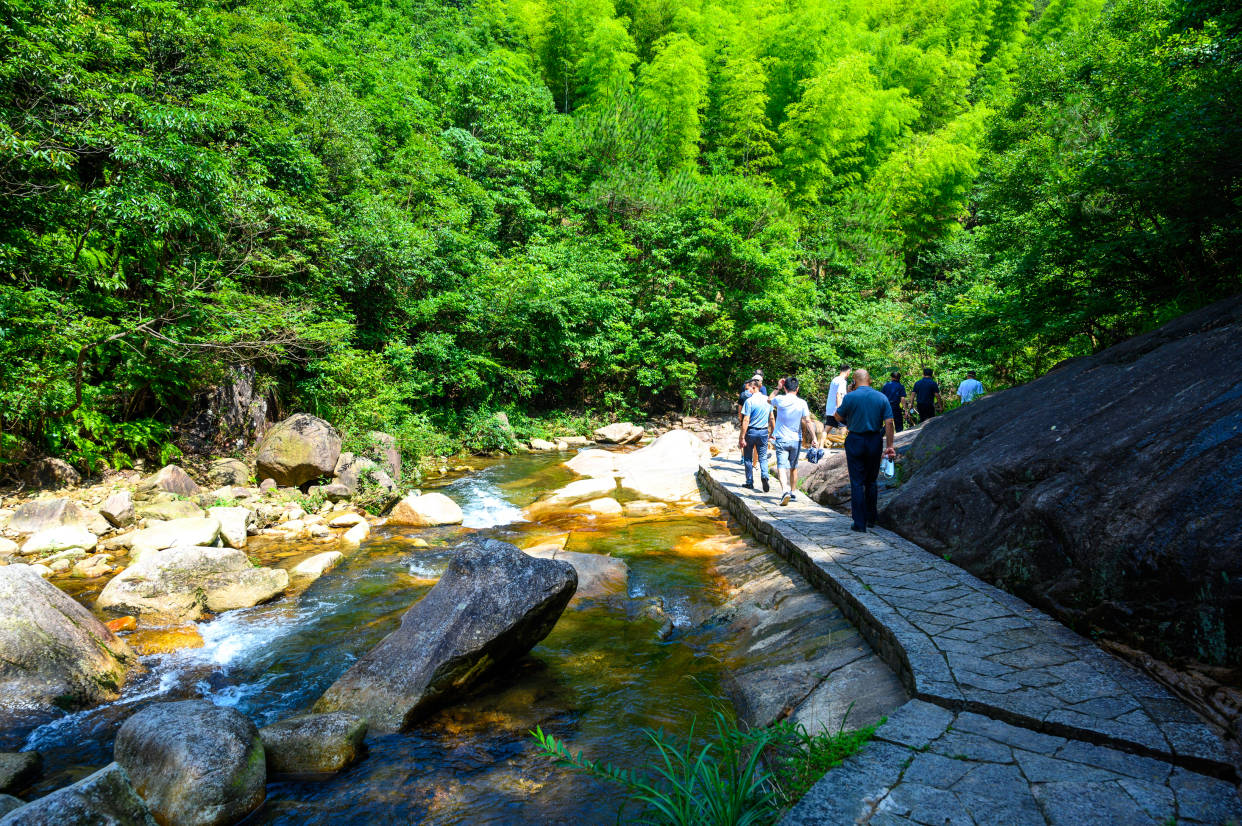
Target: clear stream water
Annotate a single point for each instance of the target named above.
(602, 674)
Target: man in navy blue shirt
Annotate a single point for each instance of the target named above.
(895, 391)
(926, 395)
(869, 417)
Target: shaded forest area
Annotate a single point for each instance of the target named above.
(407, 215)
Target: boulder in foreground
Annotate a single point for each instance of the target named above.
(53, 652)
(491, 606)
(1108, 492)
(195, 763)
(298, 450)
(313, 743)
(106, 798)
(426, 511)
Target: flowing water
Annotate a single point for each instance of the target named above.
(609, 668)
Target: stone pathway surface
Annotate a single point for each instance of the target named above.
(1000, 688)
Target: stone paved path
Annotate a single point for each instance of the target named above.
(1000, 688)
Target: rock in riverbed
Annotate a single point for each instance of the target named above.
(428, 510)
(298, 450)
(313, 743)
(53, 652)
(181, 583)
(18, 769)
(41, 514)
(492, 605)
(106, 798)
(195, 764)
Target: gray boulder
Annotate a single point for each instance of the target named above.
(179, 584)
(18, 769)
(828, 480)
(8, 803)
(228, 472)
(170, 479)
(492, 605)
(47, 513)
(195, 764)
(313, 743)
(118, 509)
(298, 450)
(106, 798)
(234, 525)
(53, 652)
(1106, 492)
(383, 449)
(50, 473)
(197, 530)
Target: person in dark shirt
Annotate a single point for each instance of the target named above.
(868, 415)
(895, 391)
(926, 395)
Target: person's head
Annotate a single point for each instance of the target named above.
(895, 376)
(842, 369)
(757, 378)
(751, 385)
(927, 372)
(759, 375)
(970, 374)
(862, 377)
(791, 384)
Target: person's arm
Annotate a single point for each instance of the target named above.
(890, 434)
(808, 424)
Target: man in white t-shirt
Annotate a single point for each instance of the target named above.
(792, 417)
(836, 394)
(969, 388)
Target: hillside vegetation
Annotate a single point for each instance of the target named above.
(408, 214)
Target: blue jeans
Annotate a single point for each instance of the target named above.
(787, 454)
(756, 437)
(863, 452)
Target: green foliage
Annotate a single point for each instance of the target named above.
(402, 215)
(720, 779)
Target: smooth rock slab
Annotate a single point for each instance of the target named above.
(492, 605)
(47, 513)
(316, 566)
(313, 743)
(53, 652)
(106, 798)
(196, 764)
(63, 537)
(193, 531)
(428, 510)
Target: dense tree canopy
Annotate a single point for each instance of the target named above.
(406, 213)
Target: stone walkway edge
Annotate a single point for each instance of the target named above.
(966, 646)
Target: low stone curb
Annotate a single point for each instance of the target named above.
(966, 646)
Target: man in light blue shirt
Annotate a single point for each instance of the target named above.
(756, 419)
(836, 394)
(969, 388)
(791, 416)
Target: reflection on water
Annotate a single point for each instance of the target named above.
(602, 674)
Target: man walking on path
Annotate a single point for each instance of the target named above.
(868, 415)
(756, 418)
(969, 388)
(895, 391)
(836, 392)
(791, 416)
(926, 395)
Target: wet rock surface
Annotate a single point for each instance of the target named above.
(194, 763)
(492, 605)
(107, 797)
(53, 652)
(18, 769)
(313, 744)
(1108, 492)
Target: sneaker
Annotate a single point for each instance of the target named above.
(793, 497)
(748, 485)
(787, 498)
(766, 486)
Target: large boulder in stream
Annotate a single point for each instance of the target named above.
(298, 450)
(313, 744)
(180, 583)
(1109, 491)
(53, 652)
(491, 606)
(105, 798)
(195, 763)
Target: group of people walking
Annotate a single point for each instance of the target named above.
(872, 419)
